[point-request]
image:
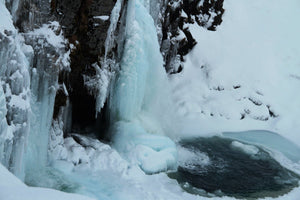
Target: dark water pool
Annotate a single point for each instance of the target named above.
(231, 168)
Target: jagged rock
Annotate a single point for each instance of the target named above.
(177, 40)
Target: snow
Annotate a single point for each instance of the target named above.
(87, 155)
(51, 33)
(102, 17)
(19, 102)
(98, 85)
(235, 75)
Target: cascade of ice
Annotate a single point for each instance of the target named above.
(15, 84)
(109, 65)
(29, 76)
(43, 97)
(14, 6)
(50, 58)
(138, 101)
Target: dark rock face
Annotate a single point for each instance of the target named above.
(177, 40)
(30, 14)
(208, 13)
(87, 33)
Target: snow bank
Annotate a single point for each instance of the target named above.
(12, 188)
(245, 75)
(80, 153)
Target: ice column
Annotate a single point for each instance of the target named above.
(138, 97)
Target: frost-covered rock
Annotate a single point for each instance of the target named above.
(174, 19)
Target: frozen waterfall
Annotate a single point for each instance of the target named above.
(14, 95)
(138, 100)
